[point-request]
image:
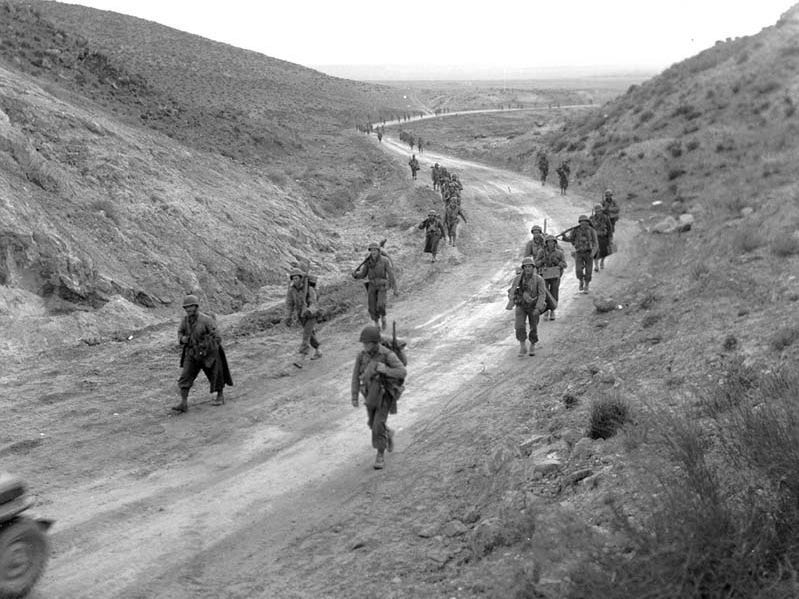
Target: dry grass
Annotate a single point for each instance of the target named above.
(608, 414)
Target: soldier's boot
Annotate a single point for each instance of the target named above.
(379, 460)
(522, 348)
(551, 315)
(596, 265)
(434, 258)
(581, 285)
(532, 349)
(585, 288)
(299, 361)
(220, 398)
(383, 323)
(602, 264)
(183, 406)
(316, 355)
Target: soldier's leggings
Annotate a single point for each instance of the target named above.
(191, 368)
(308, 335)
(377, 418)
(553, 286)
(583, 265)
(376, 299)
(522, 316)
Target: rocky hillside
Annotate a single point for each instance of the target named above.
(124, 172)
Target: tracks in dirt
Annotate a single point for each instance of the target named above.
(218, 519)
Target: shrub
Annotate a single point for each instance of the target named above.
(692, 145)
(785, 337)
(650, 320)
(608, 415)
(645, 116)
(675, 173)
(748, 240)
(675, 148)
(785, 245)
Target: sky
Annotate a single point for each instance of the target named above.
(504, 34)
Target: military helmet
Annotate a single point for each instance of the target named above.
(370, 334)
(373, 246)
(528, 261)
(550, 238)
(582, 218)
(536, 229)
(296, 273)
(608, 193)
(190, 300)
(598, 207)
(432, 213)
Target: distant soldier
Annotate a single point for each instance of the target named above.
(302, 307)
(583, 238)
(434, 231)
(378, 375)
(551, 264)
(436, 175)
(543, 167)
(536, 244)
(380, 134)
(202, 350)
(604, 235)
(529, 296)
(379, 272)
(414, 164)
(563, 177)
(611, 208)
(451, 215)
(419, 145)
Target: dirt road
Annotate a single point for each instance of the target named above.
(206, 505)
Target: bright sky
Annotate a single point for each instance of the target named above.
(503, 33)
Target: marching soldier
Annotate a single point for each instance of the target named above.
(434, 231)
(202, 350)
(379, 272)
(583, 238)
(529, 296)
(536, 244)
(604, 235)
(378, 375)
(302, 307)
(414, 164)
(551, 263)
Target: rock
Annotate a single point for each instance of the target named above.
(486, 535)
(548, 466)
(454, 528)
(686, 221)
(571, 436)
(605, 304)
(577, 476)
(582, 450)
(527, 446)
(427, 531)
(569, 400)
(747, 211)
(667, 225)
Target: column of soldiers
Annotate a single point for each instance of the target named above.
(534, 292)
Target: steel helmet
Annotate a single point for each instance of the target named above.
(528, 261)
(598, 207)
(190, 300)
(432, 213)
(373, 246)
(582, 218)
(370, 334)
(550, 238)
(536, 229)
(608, 193)
(296, 273)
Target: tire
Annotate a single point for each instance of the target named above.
(24, 550)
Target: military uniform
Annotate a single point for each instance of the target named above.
(378, 375)
(302, 305)
(536, 244)
(434, 231)
(551, 262)
(529, 295)
(604, 234)
(202, 350)
(380, 278)
(584, 239)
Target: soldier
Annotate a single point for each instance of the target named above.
(563, 177)
(420, 145)
(434, 231)
(453, 212)
(528, 292)
(436, 174)
(604, 235)
(551, 264)
(583, 238)
(378, 270)
(611, 208)
(202, 350)
(543, 167)
(414, 164)
(302, 306)
(380, 134)
(378, 374)
(536, 244)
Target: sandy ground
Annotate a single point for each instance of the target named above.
(211, 503)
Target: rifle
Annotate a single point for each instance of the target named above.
(365, 260)
(562, 234)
